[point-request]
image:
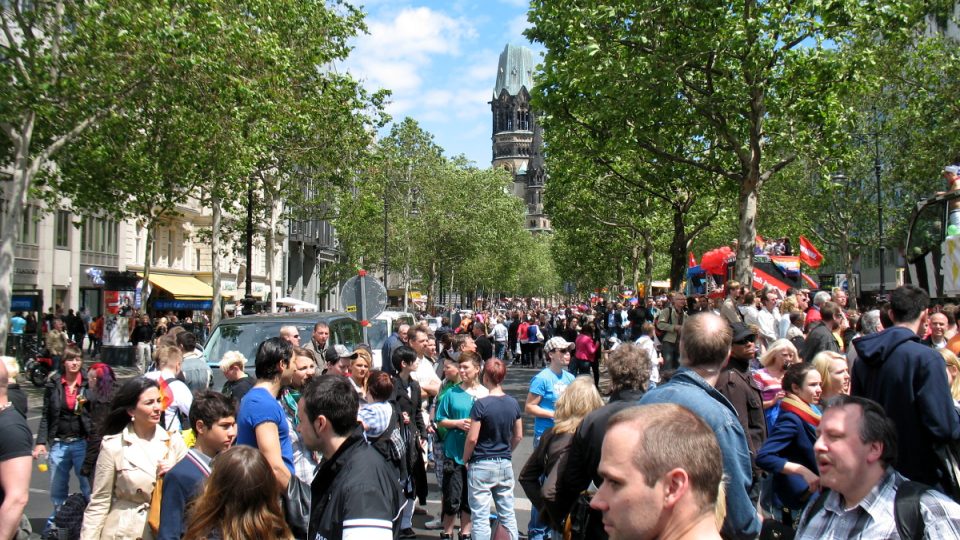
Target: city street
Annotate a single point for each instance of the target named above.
(516, 384)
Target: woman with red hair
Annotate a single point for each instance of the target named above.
(495, 431)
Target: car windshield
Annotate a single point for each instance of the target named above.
(247, 336)
(377, 333)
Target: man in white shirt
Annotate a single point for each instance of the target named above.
(768, 319)
(170, 359)
(500, 338)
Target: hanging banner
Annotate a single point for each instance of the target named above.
(762, 279)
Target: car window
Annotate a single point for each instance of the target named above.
(346, 332)
(246, 337)
(377, 333)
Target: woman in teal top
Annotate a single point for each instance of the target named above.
(453, 414)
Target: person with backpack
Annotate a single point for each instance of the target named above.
(177, 408)
(213, 420)
(136, 451)
(407, 400)
(64, 427)
(865, 497)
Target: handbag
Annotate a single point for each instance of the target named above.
(153, 518)
(296, 507)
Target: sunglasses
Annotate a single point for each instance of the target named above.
(746, 340)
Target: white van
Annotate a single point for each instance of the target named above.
(381, 327)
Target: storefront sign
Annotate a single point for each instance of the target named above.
(183, 305)
(26, 302)
(25, 272)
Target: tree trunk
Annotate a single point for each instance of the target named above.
(847, 256)
(147, 254)
(678, 249)
(647, 265)
(16, 201)
(634, 262)
(431, 279)
(747, 234)
(270, 207)
(620, 277)
(216, 209)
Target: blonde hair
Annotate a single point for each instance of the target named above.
(231, 358)
(577, 401)
(771, 354)
(168, 356)
(363, 354)
(952, 361)
(789, 304)
(821, 362)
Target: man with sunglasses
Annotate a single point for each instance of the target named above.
(742, 390)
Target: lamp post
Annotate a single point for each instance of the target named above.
(248, 301)
(876, 172)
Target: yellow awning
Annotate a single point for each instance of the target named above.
(182, 287)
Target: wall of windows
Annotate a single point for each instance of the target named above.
(29, 226)
(98, 235)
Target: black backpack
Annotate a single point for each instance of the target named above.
(392, 444)
(906, 510)
(69, 518)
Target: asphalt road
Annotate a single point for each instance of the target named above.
(516, 384)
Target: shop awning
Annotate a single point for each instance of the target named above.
(182, 287)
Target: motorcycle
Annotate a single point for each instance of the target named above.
(38, 369)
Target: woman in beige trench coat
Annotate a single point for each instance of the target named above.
(135, 452)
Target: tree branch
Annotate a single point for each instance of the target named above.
(15, 52)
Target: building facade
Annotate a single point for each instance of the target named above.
(517, 136)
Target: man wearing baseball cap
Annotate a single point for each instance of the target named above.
(338, 360)
(545, 389)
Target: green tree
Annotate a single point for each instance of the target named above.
(736, 91)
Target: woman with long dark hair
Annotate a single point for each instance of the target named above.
(134, 453)
(101, 385)
(240, 500)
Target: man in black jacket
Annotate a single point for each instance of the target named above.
(629, 368)
(355, 493)
(407, 400)
(821, 338)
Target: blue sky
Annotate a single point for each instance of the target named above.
(440, 60)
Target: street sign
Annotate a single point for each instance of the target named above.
(364, 290)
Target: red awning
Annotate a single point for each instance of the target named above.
(762, 279)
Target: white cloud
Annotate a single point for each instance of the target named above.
(399, 48)
(515, 28)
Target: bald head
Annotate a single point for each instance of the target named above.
(705, 341)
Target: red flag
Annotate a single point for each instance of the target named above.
(692, 261)
(809, 254)
(166, 394)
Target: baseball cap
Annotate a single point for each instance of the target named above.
(952, 169)
(741, 332)
(344, 352)
(557, 342)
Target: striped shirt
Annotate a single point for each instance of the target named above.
(873, 518)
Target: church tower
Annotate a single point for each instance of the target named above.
(517, 137)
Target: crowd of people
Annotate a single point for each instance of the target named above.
(754, 414)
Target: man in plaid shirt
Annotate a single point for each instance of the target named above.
(856, 449)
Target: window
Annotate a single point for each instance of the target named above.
(99, 235)
(62, 232)
(170, 248)
(28, 233)
(155, 248)
(926, 232)
(197, 252)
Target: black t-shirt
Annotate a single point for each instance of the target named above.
(17, 441)
(497, 416)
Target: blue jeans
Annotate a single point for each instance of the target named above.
(491, 478)
(63, 457)
(500, 348)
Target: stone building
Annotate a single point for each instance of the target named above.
(517, 137)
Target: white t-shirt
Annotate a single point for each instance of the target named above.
(182, 400)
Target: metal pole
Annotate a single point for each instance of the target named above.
(876, 171)
(248, 287)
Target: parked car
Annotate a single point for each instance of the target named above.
(381, 327)
(245, 333)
